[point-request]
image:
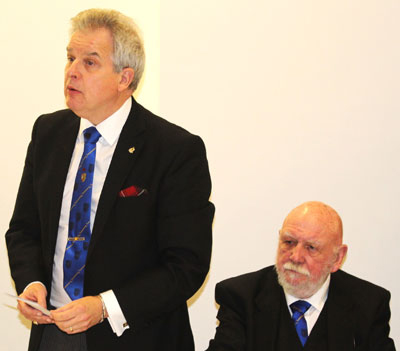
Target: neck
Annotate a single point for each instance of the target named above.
(96, 119)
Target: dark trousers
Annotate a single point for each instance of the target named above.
(53, 339)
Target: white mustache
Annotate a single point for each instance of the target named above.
(297, 268)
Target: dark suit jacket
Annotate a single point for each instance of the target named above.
(357, 312)
(153, 251)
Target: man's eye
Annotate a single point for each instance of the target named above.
(70, 59)
(311, 248)
(90, 62)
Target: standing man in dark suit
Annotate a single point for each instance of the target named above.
(112, 219)
(304, 302)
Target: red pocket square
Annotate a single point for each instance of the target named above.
(132, 191)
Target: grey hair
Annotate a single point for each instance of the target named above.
(128, 48)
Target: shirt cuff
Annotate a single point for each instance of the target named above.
(115, 317)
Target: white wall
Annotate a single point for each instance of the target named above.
(33, 41)
(296, 101)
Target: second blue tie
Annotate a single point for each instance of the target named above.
(299, 308)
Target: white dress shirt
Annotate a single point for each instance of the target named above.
(110, 130)
(317, 302)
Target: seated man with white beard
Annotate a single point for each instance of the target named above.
(304, 302)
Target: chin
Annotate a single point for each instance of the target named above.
(73, 107)
(294, 278)
(296, 284)
(69, 103)
(299, 290)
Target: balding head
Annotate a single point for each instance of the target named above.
(317, 216)
(310, 248)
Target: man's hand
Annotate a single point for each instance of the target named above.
(79, 315)
(34, 292)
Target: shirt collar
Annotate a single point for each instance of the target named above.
(111, 127)
(317, 300)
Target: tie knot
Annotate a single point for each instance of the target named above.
(300, 306)
(91, 135)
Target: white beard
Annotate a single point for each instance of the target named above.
(305, 289)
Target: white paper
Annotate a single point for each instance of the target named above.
(32, 304)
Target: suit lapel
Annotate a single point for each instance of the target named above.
(132, 136)
(267, 313)
(340, 317)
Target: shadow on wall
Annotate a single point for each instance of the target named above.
(194, 298)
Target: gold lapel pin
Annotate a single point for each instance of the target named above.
(132, 150)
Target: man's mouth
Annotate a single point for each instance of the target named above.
(72, 89)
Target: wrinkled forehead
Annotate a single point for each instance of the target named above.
(91, 42)
(316, 221)
(303, 236)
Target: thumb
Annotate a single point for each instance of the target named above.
(41, 299)
(37, 293)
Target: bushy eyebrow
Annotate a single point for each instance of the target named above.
(314, 243)
(287, 235)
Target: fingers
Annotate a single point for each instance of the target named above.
(33, 314)
(79, 315)
(35, 292)
(41, 299)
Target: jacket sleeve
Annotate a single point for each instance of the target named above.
(183, 224)
(23, 236)
(230, 334)
(378, 335)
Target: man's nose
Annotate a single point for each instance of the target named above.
(297, 254)
(73, 70)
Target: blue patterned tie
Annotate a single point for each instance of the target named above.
(79, 219)
(299, 308)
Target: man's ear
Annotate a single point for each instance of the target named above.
(340, 257)
(127, 75)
